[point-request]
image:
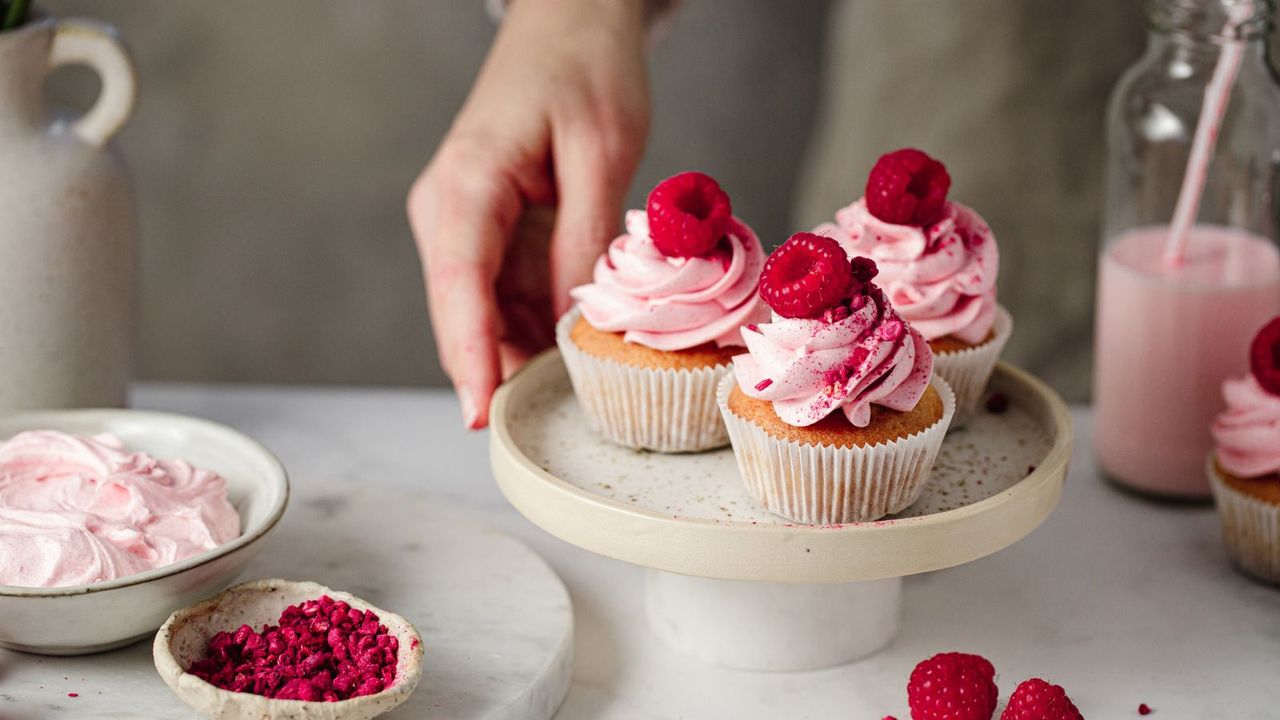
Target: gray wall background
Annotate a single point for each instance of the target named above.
(274, 143)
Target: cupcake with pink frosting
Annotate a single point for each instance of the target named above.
(656, 329)
(1244, 467)
(938, 262)
(834, 412)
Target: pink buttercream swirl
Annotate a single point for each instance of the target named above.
(77, 510)
(942, 278)
(855, 356)
(1247, 433)
(670, 303)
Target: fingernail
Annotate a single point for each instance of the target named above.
(468, 404)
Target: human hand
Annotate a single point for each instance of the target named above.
(526, 189)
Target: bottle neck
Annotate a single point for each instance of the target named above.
(1210, 21)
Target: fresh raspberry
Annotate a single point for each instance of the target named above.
(688, 215)
(1264, 356)
(953, 686)
(1036, 699)
(805, 276)
(907, 187)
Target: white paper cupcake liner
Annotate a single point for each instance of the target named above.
(827, 485)
(1250, 527)
(968, 371)
(665, 410)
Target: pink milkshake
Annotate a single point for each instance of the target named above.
(1166, 338)
(1180, 293)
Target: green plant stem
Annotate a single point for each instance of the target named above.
(16, 15)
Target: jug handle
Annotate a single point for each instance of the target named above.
(79, 41)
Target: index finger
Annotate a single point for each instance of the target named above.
(461, 226)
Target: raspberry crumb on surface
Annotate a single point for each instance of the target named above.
(997, 403)
(764, 383)
(1144, 709)
(73, 694)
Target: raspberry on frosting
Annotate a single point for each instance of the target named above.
(1264, 356)
(807, 275)
(688, 215)
(907, 187)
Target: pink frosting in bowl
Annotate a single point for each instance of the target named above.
(941, 278)
(853, 357)
(1247, 433)
(670, 303)
(76, 510)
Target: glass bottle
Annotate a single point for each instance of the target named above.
(1175, 319)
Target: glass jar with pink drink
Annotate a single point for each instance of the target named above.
(1189, 266)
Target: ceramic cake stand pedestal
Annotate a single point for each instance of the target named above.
(732, 584)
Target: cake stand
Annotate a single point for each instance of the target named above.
(734, 585)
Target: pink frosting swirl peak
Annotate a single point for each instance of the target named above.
(674, 303)
(1247, 433)
(942, 277)
(853, 357)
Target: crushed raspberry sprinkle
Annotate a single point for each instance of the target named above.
(807, 275)
(1036, 699)
(1144, 709)
(907, 187)
(864, 269)
(953, 686)
(1264, 356)
(688, 215)
(322, 650)
(764, 383)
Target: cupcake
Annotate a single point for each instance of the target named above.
(832, 412)
(656, 329)
(1244, 468)
(938, 262)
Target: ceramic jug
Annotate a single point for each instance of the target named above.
(67, 223)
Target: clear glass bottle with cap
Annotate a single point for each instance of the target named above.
(1183, 286)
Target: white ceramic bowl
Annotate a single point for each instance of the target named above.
(90, 618)
(184, 638)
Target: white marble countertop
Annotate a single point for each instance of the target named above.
(1120, 599)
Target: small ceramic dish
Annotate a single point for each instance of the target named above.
(90, 618)
(184, 638)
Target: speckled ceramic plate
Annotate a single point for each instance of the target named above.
(996, 480)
